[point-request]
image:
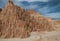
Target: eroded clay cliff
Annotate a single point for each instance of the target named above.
(15, 22)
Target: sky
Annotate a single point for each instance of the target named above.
(47, 8)
(34, 0)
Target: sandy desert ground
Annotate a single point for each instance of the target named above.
(35, 36)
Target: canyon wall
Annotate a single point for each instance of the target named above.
(16, 22)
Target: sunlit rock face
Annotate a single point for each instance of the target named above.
(30, 11)
(15, 22)
(12, 24)
(56, 22)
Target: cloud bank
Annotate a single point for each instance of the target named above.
(45, 7)
(33, 0)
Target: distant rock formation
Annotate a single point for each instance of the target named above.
(15, 22)
(56, 22)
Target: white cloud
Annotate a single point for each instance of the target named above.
(44, 9)
(33, 6)
(33, 0)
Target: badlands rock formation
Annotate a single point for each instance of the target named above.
(57, 24)
(16, 22)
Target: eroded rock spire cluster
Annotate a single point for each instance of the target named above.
(15, 22)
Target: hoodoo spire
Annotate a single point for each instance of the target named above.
(9, 4)
(10, 1)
